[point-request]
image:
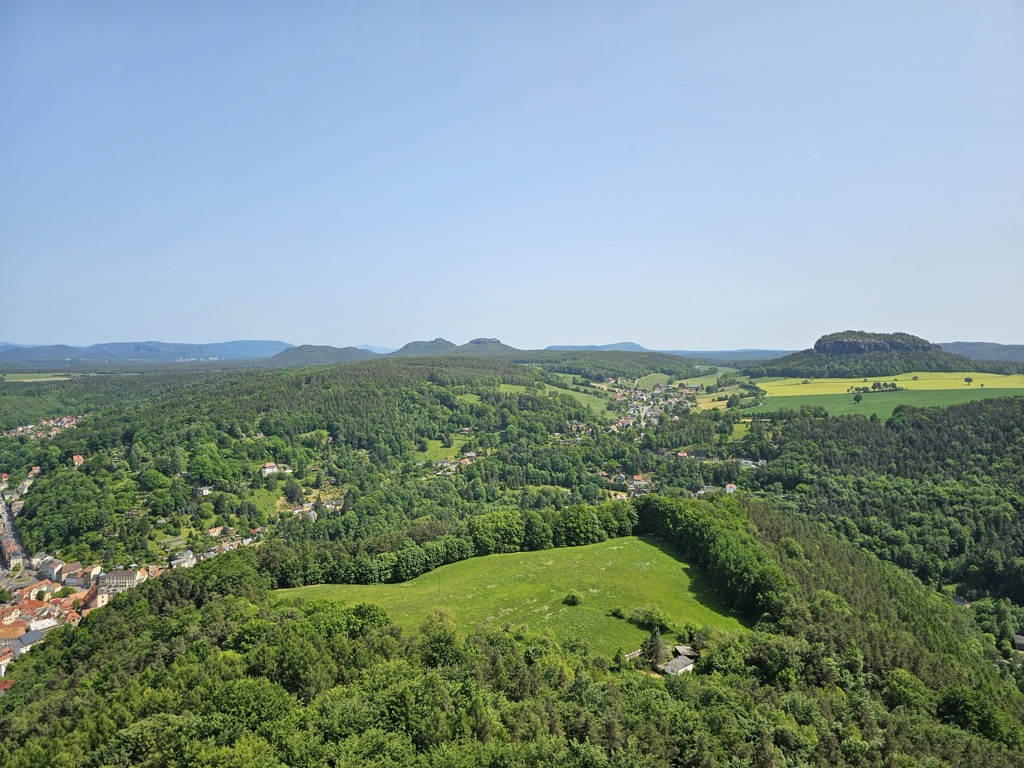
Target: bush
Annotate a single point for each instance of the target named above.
(573, 598)
(650, 617)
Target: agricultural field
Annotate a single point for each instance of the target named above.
(921, 389)
(529, 587)
(33, 377)
(910, 381)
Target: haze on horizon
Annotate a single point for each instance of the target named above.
(680, 175)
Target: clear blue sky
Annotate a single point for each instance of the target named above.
(684, 175)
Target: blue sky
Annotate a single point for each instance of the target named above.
(683, 175)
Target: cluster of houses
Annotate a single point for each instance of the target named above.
(25, 484)
(64, 593)
(45, 428)
(643, 407)
(448, 467)
(271, 468)
(636, 485)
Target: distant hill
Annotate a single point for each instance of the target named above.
(727, 356)
(425, 348)
(376, 350)
(589, 364)
(309, 354)
(145, 351)
(859, 353)
(985, 350)
(723, 356)
(486, 348)
(51, 352)
(619, 346)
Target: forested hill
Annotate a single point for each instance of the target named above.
(983, 350)
(308, 354)
(593, 364)
(939, 491)
(857, 353)
(362, 428)
(852, 664)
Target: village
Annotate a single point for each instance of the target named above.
(43, 592)
(644, 408)
(45, 428)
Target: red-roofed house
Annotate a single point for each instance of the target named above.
(78, 460)
(12, 631)
(6, 657)
(46, 586)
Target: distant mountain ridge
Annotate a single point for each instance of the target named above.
(145, 351)
(985, 350)
(709, 355)
(958, 355)
(619, 346)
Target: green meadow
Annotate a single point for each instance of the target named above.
(882, 404)
(528, 588)
(651, 381)
(437, 452)
(597, 405)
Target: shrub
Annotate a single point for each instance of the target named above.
(650, 617)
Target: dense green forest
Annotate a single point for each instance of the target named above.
(851, 663)
(25, 402)
(938, 491)
(854, 656)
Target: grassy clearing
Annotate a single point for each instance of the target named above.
(699, 381)
(265, 501)
(468, 397)
(437, 452)
(651, 381)
(513, 388)
(882, 404)
(528, 588)
(597, 405)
